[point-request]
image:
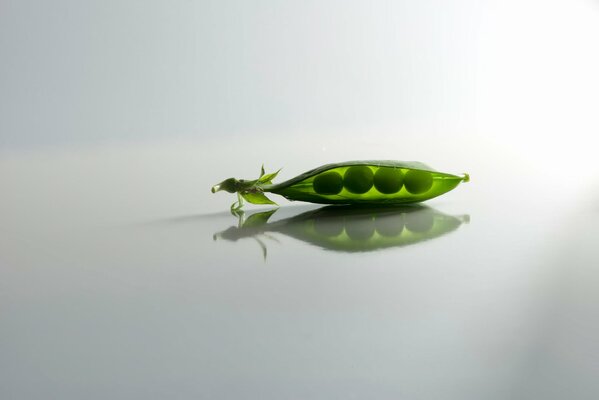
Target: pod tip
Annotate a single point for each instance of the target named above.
(466, 178)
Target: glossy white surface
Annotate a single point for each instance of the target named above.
(113, 286)
(116, 117)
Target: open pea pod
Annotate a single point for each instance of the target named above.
(351, 228)
(352, 182)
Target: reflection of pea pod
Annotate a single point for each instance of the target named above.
(354, 229)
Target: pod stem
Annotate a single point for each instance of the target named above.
(251, 191)
(466, 178)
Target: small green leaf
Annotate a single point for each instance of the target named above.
(257, 198)
(262, 171)
(269, 177)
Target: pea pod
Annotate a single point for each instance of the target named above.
(353, 182)
(351, 228)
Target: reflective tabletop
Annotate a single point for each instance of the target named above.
(124, 277)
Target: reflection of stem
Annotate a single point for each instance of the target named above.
(464, 218)
(240, 214)
(263, 246)
(271, 237)
(236, 206)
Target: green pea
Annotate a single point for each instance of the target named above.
(328, 183)
(389, 225)
(388, 180)
(360, 228)
(358, 179)
(417, 182)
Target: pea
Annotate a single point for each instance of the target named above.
(358, 179)
(389, 225)
(360, 228)
(417, 182)
(388, 180)
(328, 183)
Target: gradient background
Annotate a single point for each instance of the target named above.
(117, 116)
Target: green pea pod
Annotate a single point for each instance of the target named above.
(351, 228)
(353, 182)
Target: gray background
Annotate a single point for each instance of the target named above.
(117, 117)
